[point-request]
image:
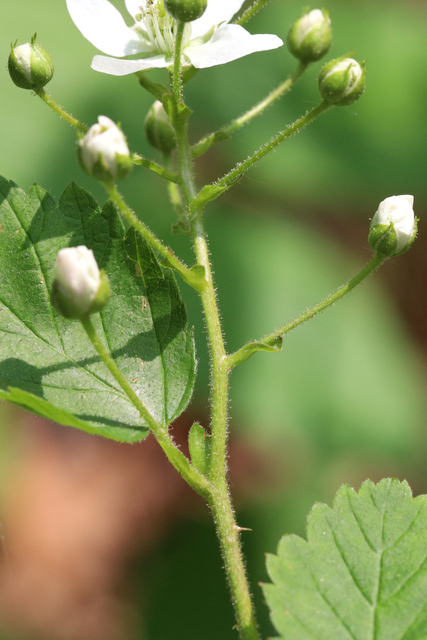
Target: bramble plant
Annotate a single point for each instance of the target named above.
(99, 333)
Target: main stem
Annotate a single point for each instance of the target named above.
(219, 499)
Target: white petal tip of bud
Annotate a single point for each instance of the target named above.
(394, 226)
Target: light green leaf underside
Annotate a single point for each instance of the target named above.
(49, 358)
(361, 574)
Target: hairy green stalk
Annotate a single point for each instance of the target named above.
(241, 355)
(198, 482)
(219, 499)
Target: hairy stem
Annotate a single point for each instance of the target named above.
(241, 355)
(205, 143)
(251, 11)
(266, 148)
(61, 111)
(187, 275)
(220, 499)
(175, 456)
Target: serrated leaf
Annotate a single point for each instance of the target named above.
(361, 574)
(49, 358)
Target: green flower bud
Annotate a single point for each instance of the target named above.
(159, 130)
(103, 151)
(342, 81)
(30, 66)
(394, 226)
(310, 37)
(79, 288)
(186, 10)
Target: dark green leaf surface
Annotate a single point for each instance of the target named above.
(49, 358)
(361, 574)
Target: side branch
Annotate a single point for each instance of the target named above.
(266, 148)
(251, 11)
(224, 133)
(244, 353)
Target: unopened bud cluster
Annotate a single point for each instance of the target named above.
(30, 66)
(342, 81)
(394, 226)
(310, 37)
(186, 10)
(79, 288)
(104, 153)
(159, 130)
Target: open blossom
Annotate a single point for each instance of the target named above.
(208, 41)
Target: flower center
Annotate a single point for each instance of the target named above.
(155, 24)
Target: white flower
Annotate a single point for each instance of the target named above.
(103, 152)
(397, 211)
(208, 41)
(77, 276)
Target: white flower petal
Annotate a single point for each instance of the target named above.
(228, 43)
(217, 11)
(104, 27)
(133, 6)
(116, 67)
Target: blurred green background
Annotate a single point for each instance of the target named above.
(345, 399)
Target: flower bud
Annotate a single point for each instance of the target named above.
(159, 130)
(103, 152)
(342, 81)
(186, 10)
(79, 288)
(394, 226)
(310, 37)
(30, 66)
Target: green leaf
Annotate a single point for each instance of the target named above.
(51, 359)
(362, 574)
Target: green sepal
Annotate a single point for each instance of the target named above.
(157, 89)
(248, 350)
(316, 42)
(186, 10)
(199, 443)
(159, 130)
(195, 277)
(383, 239)
(204, 145)
(35, 75)
(102, 172)
(207, 194)
(334, 88)
(102, 295)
